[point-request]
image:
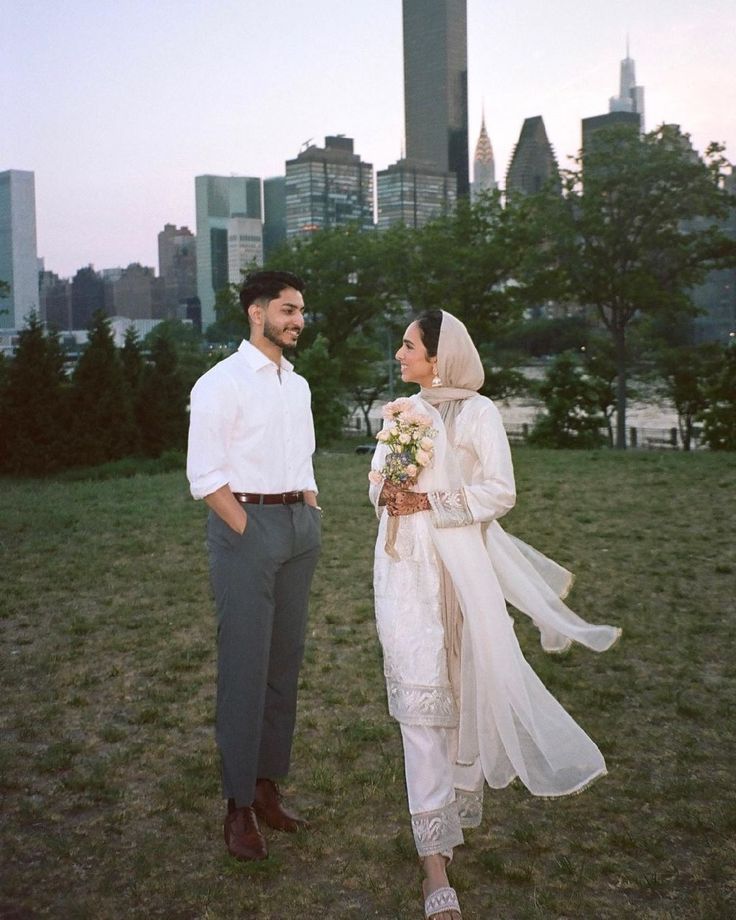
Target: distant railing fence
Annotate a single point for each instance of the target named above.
(639, 437)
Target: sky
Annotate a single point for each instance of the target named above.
(116, 106)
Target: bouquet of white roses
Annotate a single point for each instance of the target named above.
(410, 441)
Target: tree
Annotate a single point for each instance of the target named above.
(104, 425)
(328, 404)
(469, 263)
(33, 405)
(354, 303)
(686, 374)
(231, 323)
(162, 408)
(131, 358)
(719, 415)
(572, 418)
(192, 358)
(600, 367)
(636, 229)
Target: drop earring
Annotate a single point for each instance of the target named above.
(436, 380)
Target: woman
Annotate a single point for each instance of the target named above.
(471, 710)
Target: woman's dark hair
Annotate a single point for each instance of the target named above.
(430, 323)
(264, 287)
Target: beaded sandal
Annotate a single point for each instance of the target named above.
(441, 901)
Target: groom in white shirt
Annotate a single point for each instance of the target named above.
(251, 440)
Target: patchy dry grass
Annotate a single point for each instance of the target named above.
(108, 768)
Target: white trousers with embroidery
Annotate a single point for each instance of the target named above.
(444, 796)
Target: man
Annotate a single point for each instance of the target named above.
(251, 440)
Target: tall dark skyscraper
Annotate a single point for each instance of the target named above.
(436, 86)
(533, 162)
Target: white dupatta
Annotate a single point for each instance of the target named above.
(507, 716)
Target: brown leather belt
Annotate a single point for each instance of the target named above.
(280, 498)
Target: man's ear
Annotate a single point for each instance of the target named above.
(255, 314)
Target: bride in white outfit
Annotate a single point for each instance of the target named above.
(471, 709)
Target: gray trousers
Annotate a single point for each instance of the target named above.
(261, 583)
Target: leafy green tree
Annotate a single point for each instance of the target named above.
(104, 426)
(354, 304)
(162, 407)
(542, 337)
(636, 229)
(231, 323)
(572, 417)
(328, 403)
(686, 374)
(33, 405)
(599, 365)
(719, 415)
(469, 263)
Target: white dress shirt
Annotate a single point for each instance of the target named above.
(250, 427)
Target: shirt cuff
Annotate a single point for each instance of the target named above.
(206, 485)
(449, 509)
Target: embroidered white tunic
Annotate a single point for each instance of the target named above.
(504, 714)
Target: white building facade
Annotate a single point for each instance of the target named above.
(18, 253)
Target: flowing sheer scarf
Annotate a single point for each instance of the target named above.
(507, 715)
(461, 373)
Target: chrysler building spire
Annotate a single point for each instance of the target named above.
(484, 171)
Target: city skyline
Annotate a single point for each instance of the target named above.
(116, 110)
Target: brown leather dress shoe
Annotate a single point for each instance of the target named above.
(243, 836)
(268, 805)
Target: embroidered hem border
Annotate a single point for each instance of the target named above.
(469, 807)
(437, 831)
(414, 704)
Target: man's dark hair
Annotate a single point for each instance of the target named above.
(263, 287)
(430, 323)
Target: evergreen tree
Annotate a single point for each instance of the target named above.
(131, 358)
(104, 423)
(33, 405)
(162, 408)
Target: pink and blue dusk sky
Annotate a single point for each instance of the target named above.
(117, 105)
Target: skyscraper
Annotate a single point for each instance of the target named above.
(18, 256)
(591, 126)
(328, 187)
(219, 199)
(484, 169)
(533, 162)
(413, 193)
(630, 96)
(274, 214)
(436, 86)
(177, 267)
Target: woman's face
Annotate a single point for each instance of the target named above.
(416, 366)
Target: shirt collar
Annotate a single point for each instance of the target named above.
(255, 357)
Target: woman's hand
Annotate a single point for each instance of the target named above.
(400, 501)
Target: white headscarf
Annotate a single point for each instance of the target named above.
(458, 364)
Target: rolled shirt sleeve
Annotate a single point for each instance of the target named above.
(211, 421)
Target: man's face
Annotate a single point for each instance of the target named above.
(283, 318)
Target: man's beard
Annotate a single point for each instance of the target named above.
(276, 336)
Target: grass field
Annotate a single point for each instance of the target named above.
(108, 768)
